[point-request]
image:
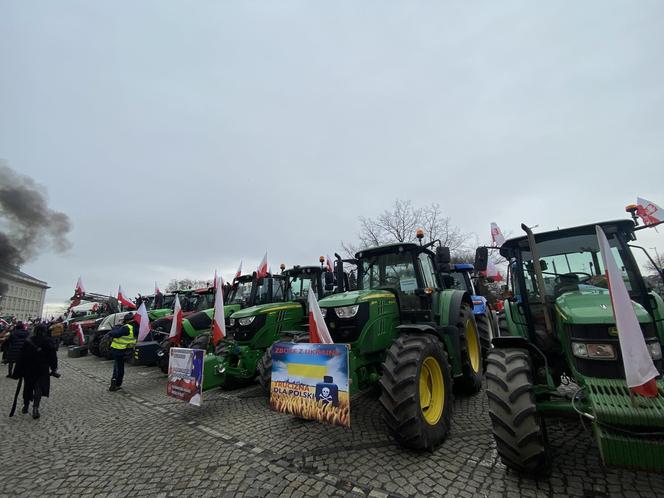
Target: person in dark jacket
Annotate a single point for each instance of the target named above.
(37, 362)
(123, 338)
(16, 340)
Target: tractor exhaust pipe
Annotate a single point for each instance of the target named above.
(538, 276)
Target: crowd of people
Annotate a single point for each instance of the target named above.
(29, 350)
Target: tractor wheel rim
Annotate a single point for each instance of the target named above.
(473, 345)
(432, 390)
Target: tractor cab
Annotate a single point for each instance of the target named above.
(241, 291)
(303, 279)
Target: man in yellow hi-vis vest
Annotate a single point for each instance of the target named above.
(123, 338)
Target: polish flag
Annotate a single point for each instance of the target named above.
(219, 321)
(329, 264)
(175, 335)
(80, 289)
(156, 288)
(262, 268)
(649, 212)
(80, 335)
(496, 235)
(640, 371)
(492, 271)
(238, 273)
(214, 282)
(318, 332)
(123, 300)
(141, 317)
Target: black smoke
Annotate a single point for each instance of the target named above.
(27, 225)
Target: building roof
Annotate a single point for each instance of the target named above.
(17, 274)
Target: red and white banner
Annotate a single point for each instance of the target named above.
(175, 335)
(80, 334)
(329, 264)
(127, 303)
(80, 289)
(640, 371)
(239, 270)
(141, 317)
(649, 212)
(318, 332)
(262, 268)
(496, 235)
(218, 320)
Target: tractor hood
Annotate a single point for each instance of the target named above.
(354, 297)
(265, 308)
(592, 307)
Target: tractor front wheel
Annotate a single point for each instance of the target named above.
(163, 355)
(417, 391)
(484, 328)
(471, 352)
(517, 428)
(105, 346)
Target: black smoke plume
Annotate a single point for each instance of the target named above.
(27, 225)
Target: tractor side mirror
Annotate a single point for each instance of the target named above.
(481, 258)
(442, 258)
(543, 265)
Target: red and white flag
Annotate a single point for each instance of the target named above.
(238, 273)
(175, 335)
(141, 317)
(496, 235)
(262, 268)
(80, 289)
(318, 332)
(80, 334)
(127, 303)
(640, 371)
(214, 282)
(649, 212)
(329, 264)
(492, 271)
(218, 321)
(156, 288)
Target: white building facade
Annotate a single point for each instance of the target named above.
(24, 295)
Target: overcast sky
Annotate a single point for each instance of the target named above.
(184, 136)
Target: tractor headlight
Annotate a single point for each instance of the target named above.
(231, 322)
(247, 321)
(655, 350)
(593, 351)
(323, 311)
(347, 311)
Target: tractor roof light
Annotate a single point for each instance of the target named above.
(419, 233)
(282, 266)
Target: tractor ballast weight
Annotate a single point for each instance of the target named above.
(411, 336)
(559, 325)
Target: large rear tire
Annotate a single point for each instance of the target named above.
(264, 366)
(484, 328)
(417, 391)
(471, 352)
(163, 355)
(93, 346)
(518, 430)
(105, 347)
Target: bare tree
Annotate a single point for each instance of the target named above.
(185, 284)
(399, 224)
(659, 263)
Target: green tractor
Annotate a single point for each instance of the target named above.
(409, 335)
(279, 312)
(559, 354)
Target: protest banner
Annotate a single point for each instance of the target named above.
(185, 375)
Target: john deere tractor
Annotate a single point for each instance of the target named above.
(559, 353)
(461, 277)
(408, 334)
(279, 312)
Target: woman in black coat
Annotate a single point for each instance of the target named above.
(16, 340)
(38, 361)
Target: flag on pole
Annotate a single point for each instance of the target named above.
(80, 335)
(648, 211)
(640, 371)
(492, 271)
(175, 335)
(496, 235)
(80, 289)
(214, 282)
(218, 321)
(143, 320)
(238, 273)
(123, 299)
(329, 264)
(318, 332)
(262, 268)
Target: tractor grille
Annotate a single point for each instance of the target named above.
(612, 404)
(345, 330)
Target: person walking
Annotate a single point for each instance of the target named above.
(17, 338)
(123, 338)
(36, 363)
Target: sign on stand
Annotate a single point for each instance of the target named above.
(310, 381)
(185, 375)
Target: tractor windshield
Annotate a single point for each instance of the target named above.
(241, 293)
(270, 290)
(460, 280)
(574, 263)
(392, 270)
(298, 287)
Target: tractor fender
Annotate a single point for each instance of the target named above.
(537, 358)
(452, 299)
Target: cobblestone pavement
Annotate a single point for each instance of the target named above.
(137, 441)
